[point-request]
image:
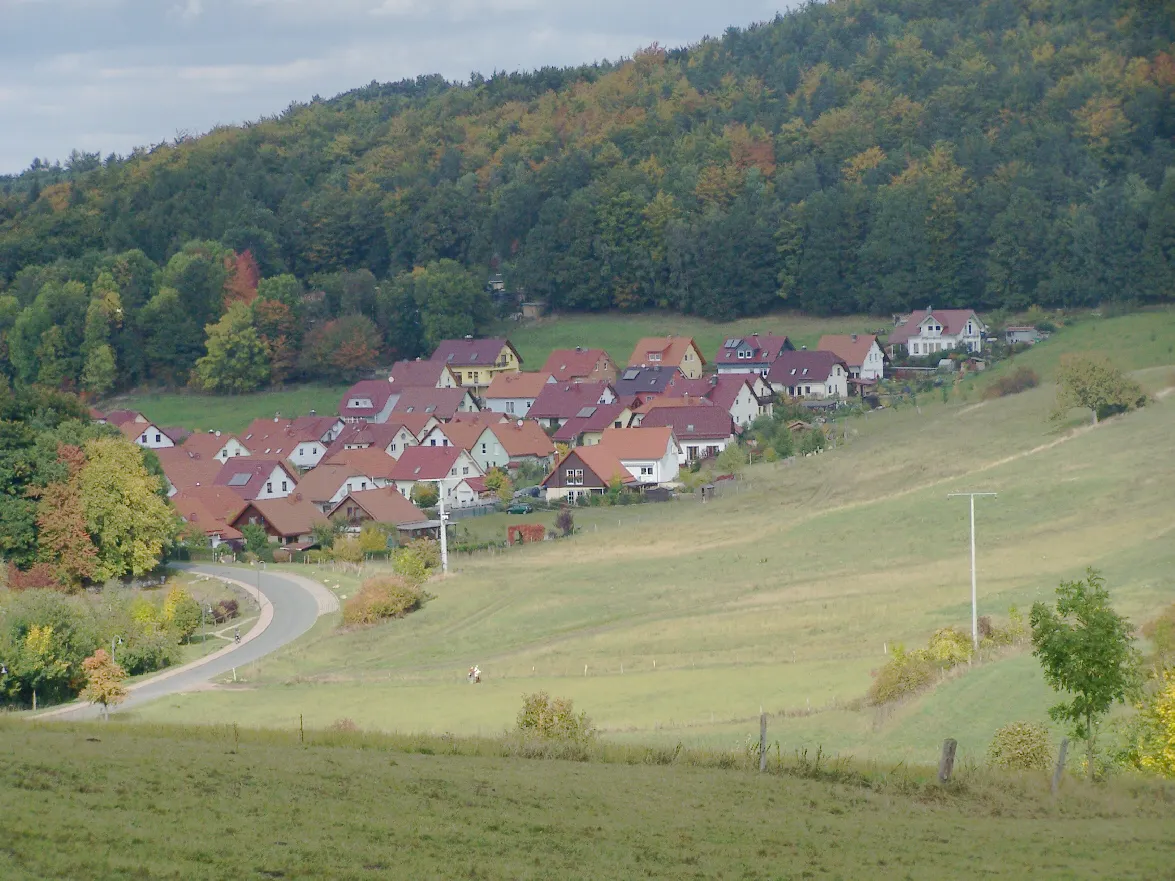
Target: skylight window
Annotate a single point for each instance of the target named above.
(240, 479)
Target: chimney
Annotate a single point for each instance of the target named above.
(854, 338)
(313, 412)
(803, 348)
(520, 423)
(579, 348)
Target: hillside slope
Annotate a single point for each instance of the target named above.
(855, 156)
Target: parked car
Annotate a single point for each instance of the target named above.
(528, 492)
(520, 508)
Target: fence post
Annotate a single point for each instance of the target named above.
(947, 763)
(762, 741)
(1060, 769)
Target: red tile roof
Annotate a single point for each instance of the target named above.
(290, 517)
(118, 417)
(208, 443)
(439, 402)
(234, 472)
(672, 350)
(384, 505)
(426, 463)
(814, 366)
(365, 434)
(320, 484)
(628, 444)
(601, 416)
(472, 353)
(222, 502)
(371, 462)
(693, 422)
(416, 374)
(194, 511)
(517, 385)
(375, 390)
(603, 463)
(185, 468)
(571, 364)
(461, 434)
(280, 437)
(765, 349)
(850, 348)
(522, 438)
(666, 403)
(563, 400)
(952, 320)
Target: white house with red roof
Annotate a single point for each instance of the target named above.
(147, 435)
(215, 445)
(580, 365)
(476, 362)
(448, 467)
(369, 400)
(302, 441)
(422, 374)
(814, 375)
(938, 330)
(561, 401)
(254, 478)
(701, 430)
(745, 396)
(650, 454)
(861, 353)
(514, 393)
(751, 354)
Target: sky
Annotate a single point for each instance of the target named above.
(106, 76)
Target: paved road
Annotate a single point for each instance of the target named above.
(295, 603)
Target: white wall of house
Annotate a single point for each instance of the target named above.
(874, 366)
(699, 449)
(278, 485)
(650, 471)
(436, 438)
(231, 450)
(835, 385)
(745, 408)
(152, 437)
(465, 466)
(402, 441)
(510, 406)
(307, 454)
(460, 495)
(488, 452)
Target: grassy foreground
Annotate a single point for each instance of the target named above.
(113, 801)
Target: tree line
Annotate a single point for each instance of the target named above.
(852, 156)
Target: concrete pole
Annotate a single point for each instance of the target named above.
(444, 528)
(974, 597)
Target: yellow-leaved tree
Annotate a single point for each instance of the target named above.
(1156, 752)
(104, 679)
(129, 521)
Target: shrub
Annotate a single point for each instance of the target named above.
(565, 521)
(949, 647)
(1021, 746)
(550, 718)
(905, 674)
(1020, 380)
(181, 613)
(147, 651)
(417, 560)
(812, 441)
(347, 550)
(256, 540)
(382, 598)
(225, 610)
(38, 577)
(1161, 633)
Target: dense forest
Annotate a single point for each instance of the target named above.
(850, 156)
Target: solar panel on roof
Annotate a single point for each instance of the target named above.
(473, 357)
(586, 412)
(239, 479)
(631, 373)
(451, 356)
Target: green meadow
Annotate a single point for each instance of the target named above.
(229, 413)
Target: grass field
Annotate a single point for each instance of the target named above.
(113, 801)
(618, 333)
(230, 413)
(784, 594)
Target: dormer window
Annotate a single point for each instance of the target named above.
(654, 356)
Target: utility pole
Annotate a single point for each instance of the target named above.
(974, 599)
(444, 528)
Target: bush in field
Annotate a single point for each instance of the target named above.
(382, 598)
(347, 550)
(949, 647)
(812, 441)
(181, 613)
(417, 560)
(565, 521)
(372, 539)
(148, 650)
(1021, 746)
(550, 718)
(906, 673)
(1020, 380)
(225, 610)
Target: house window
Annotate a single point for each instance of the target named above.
(314, 451)
(483, 449)
(144, 437)
(433, 442)
(269, 487)
(616, 424)
(654, 356)
(363, 485)
(465, 470)
(646, 471)
(509, 406)
(285, 486)
(158, 439)
(574, 476)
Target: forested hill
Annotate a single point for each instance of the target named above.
(857, 155)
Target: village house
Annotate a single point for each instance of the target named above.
(580, 365)
(302, 441)
(421, 374)
(475, 363)
(587, 427)
(514, 393)
(638, 384)
(560, 401)
(751, 354)
(670, 351)
(813, 375)
(938, 330)
(745, 396)
(701, 431)
(185, 469)
(385, 507)
(511, 444)
(255, 478)
(330, 481)
(147, 435)
(214, 445)
(391, 437)
(443, 403)
(289, 522)
(369, 400)
(862, 354)
(118, 418)
(586, 471)
(370, 461)
(216, 530)
(650, 454)
(446, 466)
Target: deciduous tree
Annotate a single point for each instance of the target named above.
(237, 359)
(104, 680)
(1092, 382)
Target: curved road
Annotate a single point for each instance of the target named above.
(290, 603)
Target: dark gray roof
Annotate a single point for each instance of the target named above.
(644, 380)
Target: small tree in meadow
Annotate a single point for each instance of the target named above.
(104, 680)
(549, 718)
(1093, 383)
(1086, 650)
(181, 613)
(565, 521)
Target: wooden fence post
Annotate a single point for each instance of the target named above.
(762, 741)
(947, 763)
(1060, 769)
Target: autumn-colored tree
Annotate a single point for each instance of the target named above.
(104, 680)
(128, 520)
(499, 483)
(1093, 383)
(425, 495)
(63, 541)
(342, 349)
(243, 276)
(279, 330)
(181, 613)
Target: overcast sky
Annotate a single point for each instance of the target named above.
(108, 75)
